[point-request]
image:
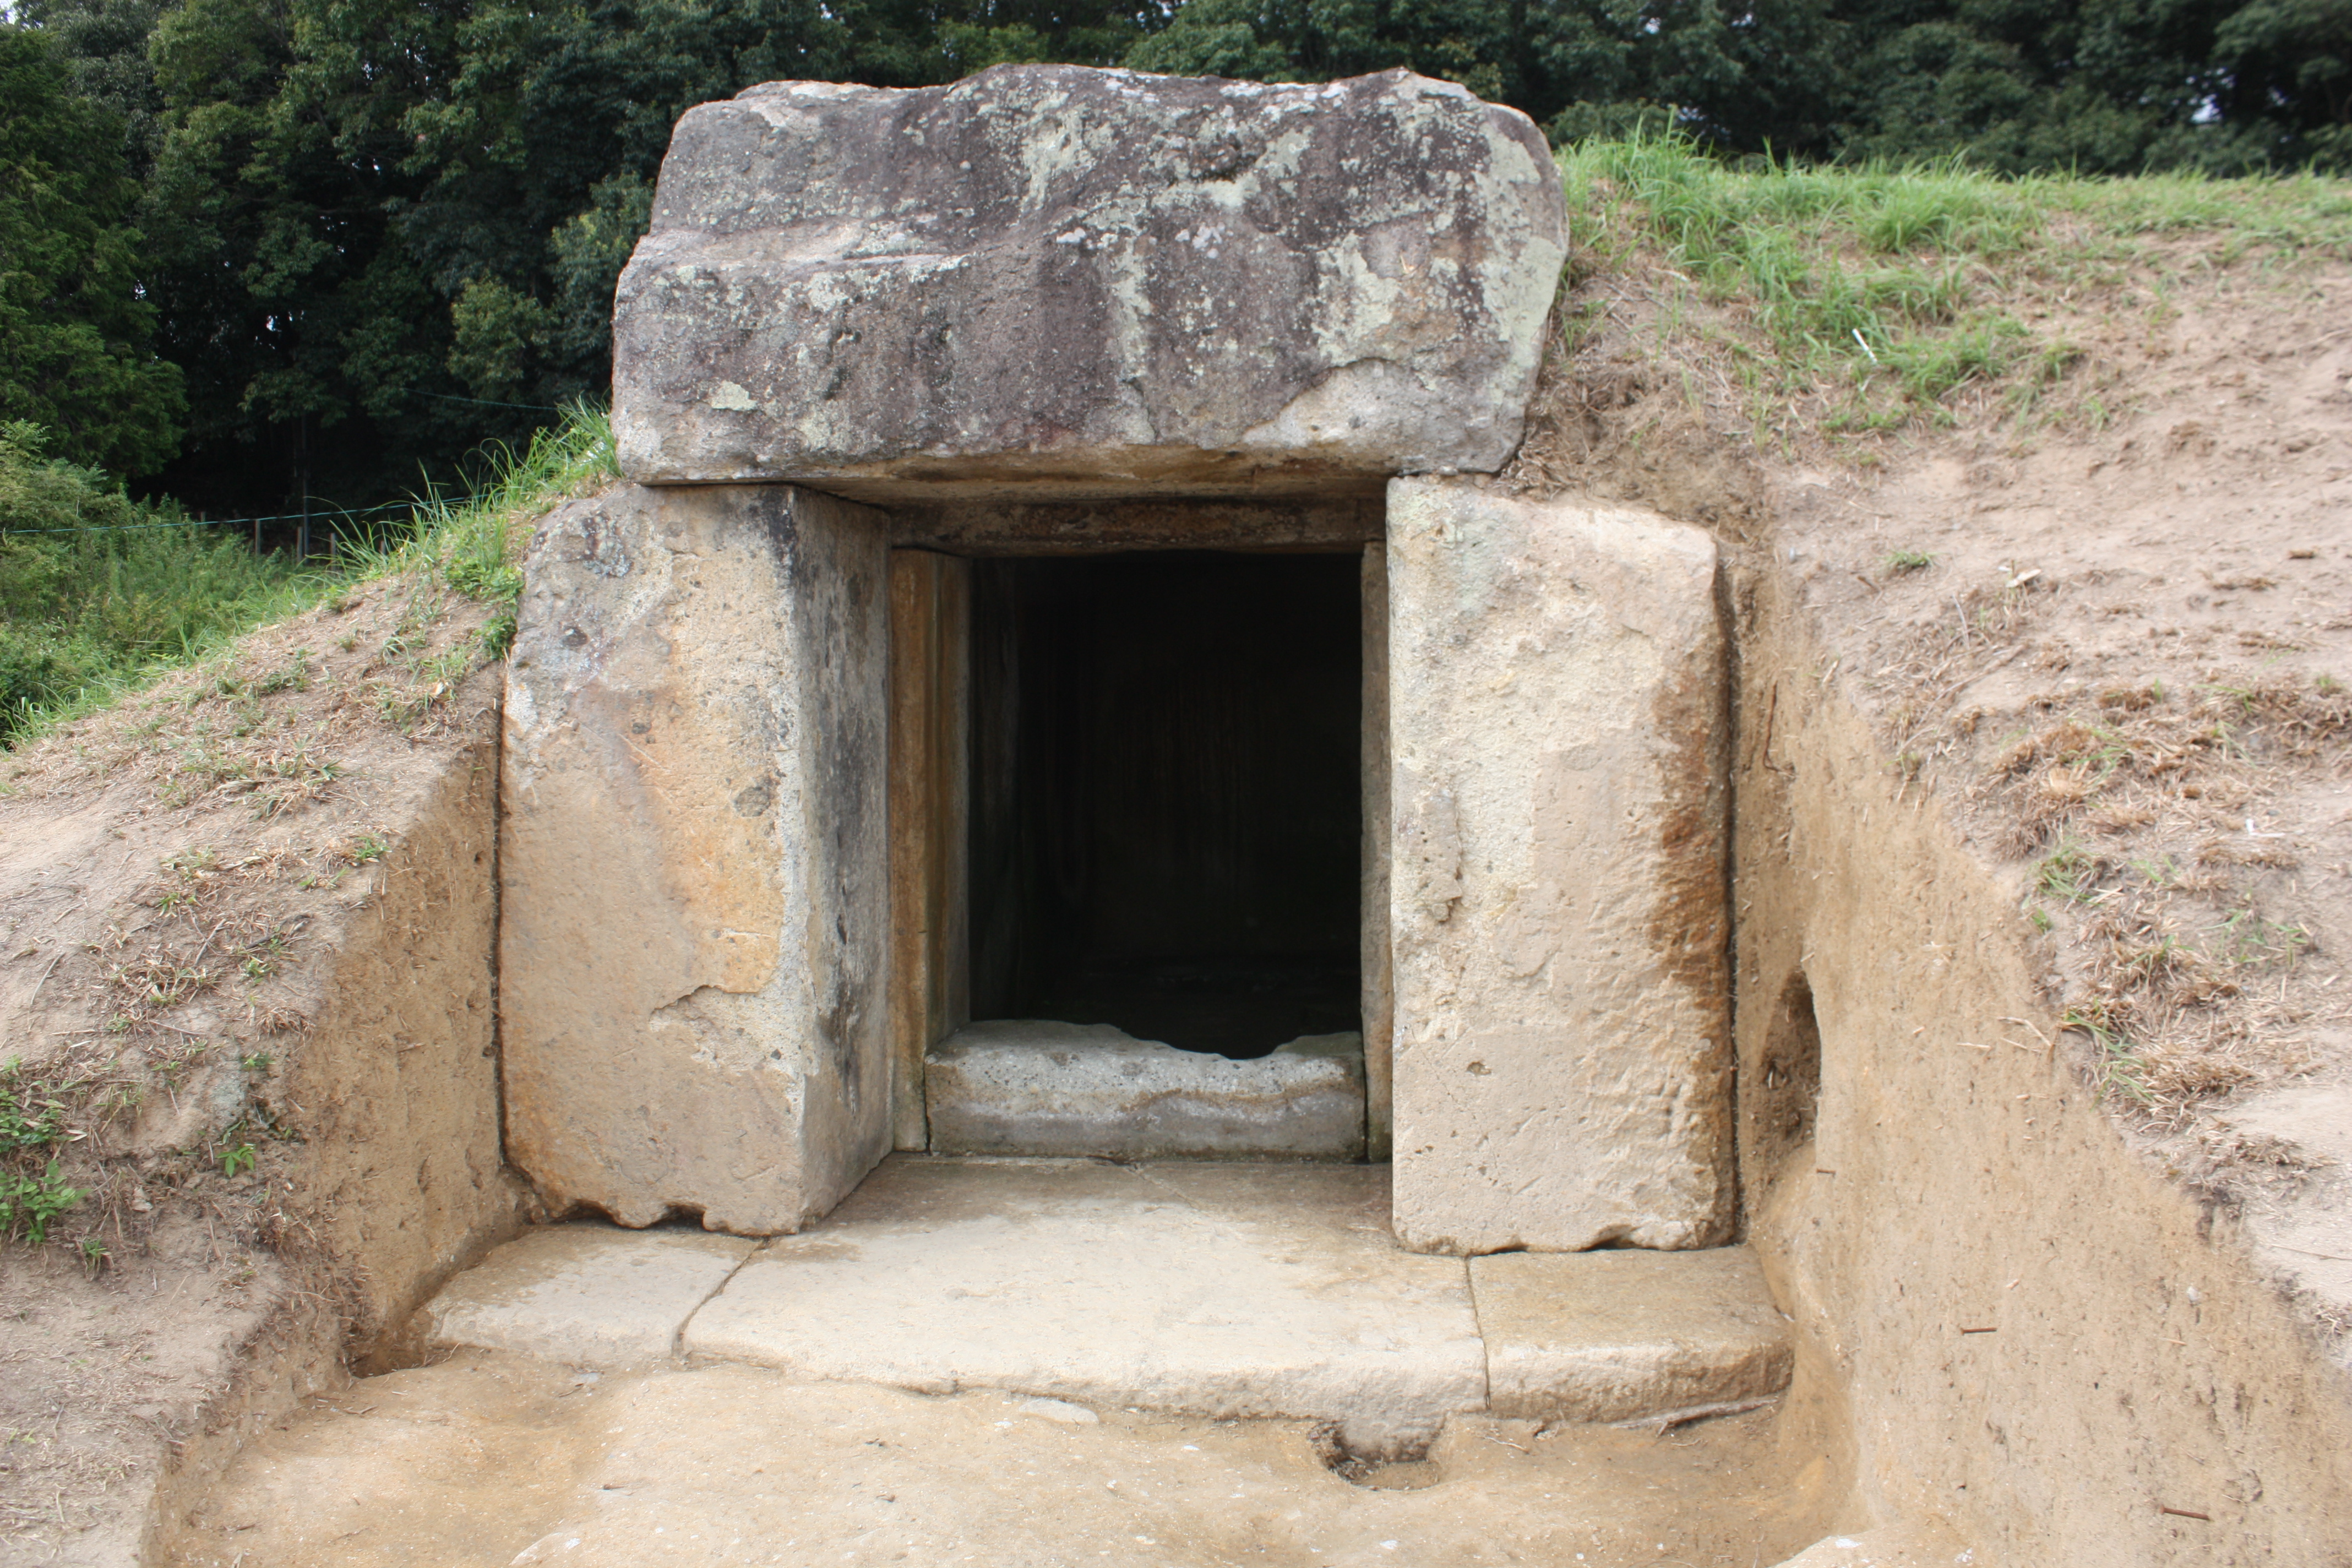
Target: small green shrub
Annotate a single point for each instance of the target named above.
(28, 1203)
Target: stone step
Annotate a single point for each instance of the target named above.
(1032, 1087)
(1215, 1288)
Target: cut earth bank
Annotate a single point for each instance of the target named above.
(2037, 1316)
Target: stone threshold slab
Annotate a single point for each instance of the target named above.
(1035, 1086)
(1223, 1289)
(1215, 1289)
(589, 1295)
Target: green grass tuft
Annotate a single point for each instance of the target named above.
(471, 541)
(1887, 293)
(99, 595)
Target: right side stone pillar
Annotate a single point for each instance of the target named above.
(1558, 740)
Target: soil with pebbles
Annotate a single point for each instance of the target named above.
(487, 1460)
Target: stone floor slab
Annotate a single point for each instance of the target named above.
(586, 1295)
(1221, 1289)
(1620, 1335)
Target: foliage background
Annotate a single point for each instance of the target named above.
(96, 589)
(252, 251)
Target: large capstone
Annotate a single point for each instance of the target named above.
(1088, 283)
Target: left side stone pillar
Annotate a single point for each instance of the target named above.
(694, 912)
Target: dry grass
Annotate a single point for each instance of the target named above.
(2139, 813)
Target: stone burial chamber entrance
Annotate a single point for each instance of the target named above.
(1165, 860)
(1062, 680)
(1167, 828)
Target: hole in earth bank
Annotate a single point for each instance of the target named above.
(1789, 1075)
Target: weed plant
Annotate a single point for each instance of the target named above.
(32, 1127)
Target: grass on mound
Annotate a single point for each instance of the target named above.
(1874, 297)
(471, 542)
(100, 594)
(96, 587)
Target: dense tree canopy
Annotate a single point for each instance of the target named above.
(74, 328)
(377, 231)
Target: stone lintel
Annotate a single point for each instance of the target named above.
(1063, 280)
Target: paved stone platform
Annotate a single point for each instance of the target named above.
(1213, 1288)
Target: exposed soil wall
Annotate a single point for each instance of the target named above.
(250, 920)
(2044, 1344)
(400, 1083)
(400, 1179)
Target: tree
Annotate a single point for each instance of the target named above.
(2103, 86)
(75, 329)
(386, 230)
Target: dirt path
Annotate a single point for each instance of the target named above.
(494, 1460)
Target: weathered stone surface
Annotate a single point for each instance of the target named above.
(1031, 1087)
(585, 1294)
(1221, 1289)
(1556, 706)
(1096, 281)
(1622, 1333)
(693, 938)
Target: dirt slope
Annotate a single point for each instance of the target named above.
(2114, 638)
(246, 924)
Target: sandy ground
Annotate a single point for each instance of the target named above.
(99, 1379)
(497, 1460)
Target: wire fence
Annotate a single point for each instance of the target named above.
(325, 514)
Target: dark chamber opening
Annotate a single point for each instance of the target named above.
(1166, 794)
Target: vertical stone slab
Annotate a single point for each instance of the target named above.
(1378, 1005)
(1557, 724)
(694, 925)
(930, 703)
